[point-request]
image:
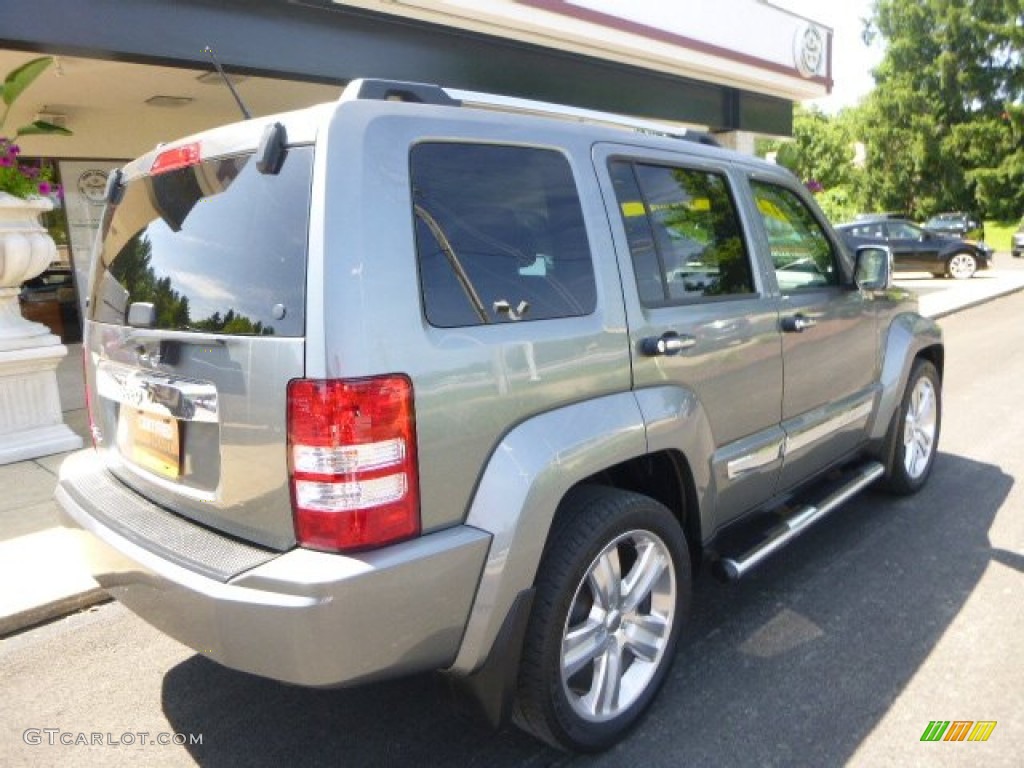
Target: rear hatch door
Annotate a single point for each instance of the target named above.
(196, 325)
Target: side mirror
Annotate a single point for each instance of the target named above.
(142, 314)
(873, 268)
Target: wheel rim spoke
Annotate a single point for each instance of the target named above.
(581, 646)
(606, 581)
(642, 577)
(607, 681)
(646, 636)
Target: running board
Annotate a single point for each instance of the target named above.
(732, 568)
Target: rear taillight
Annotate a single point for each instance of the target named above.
(352, 462)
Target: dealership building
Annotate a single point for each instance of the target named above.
(129, 74)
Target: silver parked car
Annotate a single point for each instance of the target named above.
(418, 381)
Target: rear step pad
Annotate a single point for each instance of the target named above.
(732, 568)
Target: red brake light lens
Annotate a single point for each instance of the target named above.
(176, 159)
(352, 461)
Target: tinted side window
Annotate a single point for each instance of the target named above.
(899, 231)
(874, 229)
(683, 231)
(499, 235)
(801, 252)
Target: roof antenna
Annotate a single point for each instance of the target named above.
(227, 81)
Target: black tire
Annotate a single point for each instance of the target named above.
(962, 265)
(913, 438)
(598, 528)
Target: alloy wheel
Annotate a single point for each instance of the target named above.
(919, 428)
(618, 626)
(962, 266)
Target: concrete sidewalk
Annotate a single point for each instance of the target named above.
(42, 575)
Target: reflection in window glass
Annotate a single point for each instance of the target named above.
(500, 235)
(216, 247)
(683, 232)
(801, 252)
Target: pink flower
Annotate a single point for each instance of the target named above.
(45, 188)
(6, 161)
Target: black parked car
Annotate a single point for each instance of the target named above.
(916, 249)
(958, 224)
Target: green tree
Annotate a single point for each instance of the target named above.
(821, 154)
(941, 127)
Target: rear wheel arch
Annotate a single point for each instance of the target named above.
(664, 476)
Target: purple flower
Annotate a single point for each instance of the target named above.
(45, 188)
(14, 149)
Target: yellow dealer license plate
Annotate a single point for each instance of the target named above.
(150, 440)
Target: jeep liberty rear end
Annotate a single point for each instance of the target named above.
(413, 381)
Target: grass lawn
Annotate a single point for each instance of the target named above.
(998, 233)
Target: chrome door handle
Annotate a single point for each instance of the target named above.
(668, 344)
(798, 323)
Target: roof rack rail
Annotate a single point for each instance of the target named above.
(590, 116)
(424, 93)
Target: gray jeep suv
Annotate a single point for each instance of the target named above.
(431, 380)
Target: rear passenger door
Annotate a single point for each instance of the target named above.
(829, 338)
(704, 334)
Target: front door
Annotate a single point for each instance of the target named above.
(829, 341)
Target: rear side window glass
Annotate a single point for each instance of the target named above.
(216, 247)
(801, 252)
(500, 235)
(874, 229)
(684, 233)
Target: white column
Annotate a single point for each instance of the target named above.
(31, 420)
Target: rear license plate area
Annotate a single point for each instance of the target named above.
(150, 440)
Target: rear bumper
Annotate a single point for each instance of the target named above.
(303, 617)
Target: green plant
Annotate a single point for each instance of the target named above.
(16, 178)
(20, 179)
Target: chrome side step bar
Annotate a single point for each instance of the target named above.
(732, 568)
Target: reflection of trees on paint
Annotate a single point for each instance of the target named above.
(132, 270)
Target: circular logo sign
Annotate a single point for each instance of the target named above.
(92, 185)
(809, 50)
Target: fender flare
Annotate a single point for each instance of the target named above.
(909, 334)
(536, 464)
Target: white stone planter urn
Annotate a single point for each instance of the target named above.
(31, 420)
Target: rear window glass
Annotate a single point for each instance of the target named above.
(499, 235)
(216, 247)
